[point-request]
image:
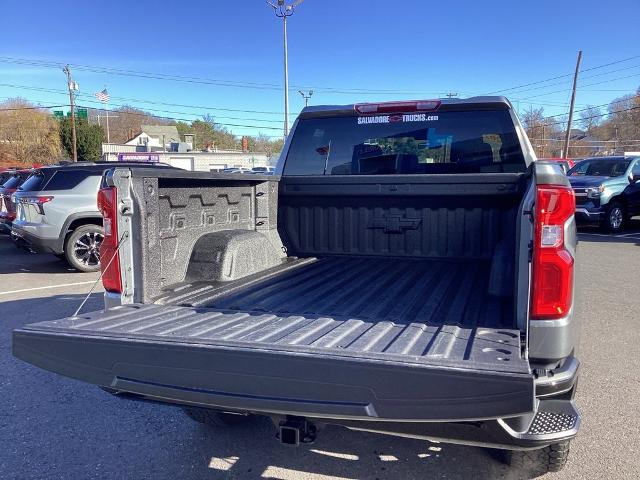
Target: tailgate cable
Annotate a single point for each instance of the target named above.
(120, 242)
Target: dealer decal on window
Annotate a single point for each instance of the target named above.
(397, 118)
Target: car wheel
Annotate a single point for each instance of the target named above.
(614, 217)
(214, 418)
(535, 463)
(82, 248)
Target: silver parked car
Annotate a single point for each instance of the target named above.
(57, 212)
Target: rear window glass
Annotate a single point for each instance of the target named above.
(601, 167)
(34, 183)
(14, 182)
(65, 180)
(434, 143)
(4, 177)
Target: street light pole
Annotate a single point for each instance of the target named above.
(306, 96)
(284, 10)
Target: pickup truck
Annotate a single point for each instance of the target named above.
(607, 191)
(407, 271)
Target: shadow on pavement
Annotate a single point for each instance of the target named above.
(630, 234)
(62, 428)
(16, 260)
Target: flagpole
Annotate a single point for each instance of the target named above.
(107, 109)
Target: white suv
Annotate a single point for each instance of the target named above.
(57, 212)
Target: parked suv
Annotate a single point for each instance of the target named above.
(57, 212)
(7, 188)
(607, 191)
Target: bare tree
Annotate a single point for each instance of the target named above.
(590, 117)
(28, 134)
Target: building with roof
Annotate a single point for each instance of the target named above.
(159, 138)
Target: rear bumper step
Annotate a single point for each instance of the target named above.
(554, 421)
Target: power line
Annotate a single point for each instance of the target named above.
(204, 108)
(197, 80)
(596, 116)
(585, 109)
(89, 98)
(584, 78)
(564, 76)
(43, 107)
(588, 85)
(142, 114)
(152, 102)
(268, 86)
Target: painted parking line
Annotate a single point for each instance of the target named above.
(47, 287)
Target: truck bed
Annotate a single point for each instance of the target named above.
(366, 289)
(359, 338)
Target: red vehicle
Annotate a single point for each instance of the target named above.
(7, 208)
(565, 163)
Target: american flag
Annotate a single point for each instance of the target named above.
(103, 96)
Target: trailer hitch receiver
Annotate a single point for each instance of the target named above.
(296, 430)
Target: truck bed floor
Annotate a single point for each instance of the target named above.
(434, 292)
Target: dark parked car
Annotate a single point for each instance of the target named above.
(607, 191)
(7, 206)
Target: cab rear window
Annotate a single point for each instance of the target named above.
(430, 143)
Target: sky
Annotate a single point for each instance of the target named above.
(190, 58)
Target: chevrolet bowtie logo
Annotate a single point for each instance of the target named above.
(394, 223)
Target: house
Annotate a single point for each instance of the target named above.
(155, 138)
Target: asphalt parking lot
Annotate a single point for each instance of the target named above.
(54, 427)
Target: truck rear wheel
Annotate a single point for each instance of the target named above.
(214, 418)
(535, 463)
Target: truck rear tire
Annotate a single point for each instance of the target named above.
(535, 463)
(214, 418)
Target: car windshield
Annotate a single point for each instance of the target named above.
(442, 142)
(600, 167)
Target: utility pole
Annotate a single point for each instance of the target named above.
(544, 140)
(565, 150)
(306, 96)
(284, 10)
(72, 86)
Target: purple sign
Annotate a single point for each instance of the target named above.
(139, 157)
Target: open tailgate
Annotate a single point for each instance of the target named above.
(329, 367)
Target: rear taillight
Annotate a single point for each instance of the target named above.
(552, 264)
(109, 258)
(37, 201)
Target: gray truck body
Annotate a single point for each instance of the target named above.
(387, 303)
